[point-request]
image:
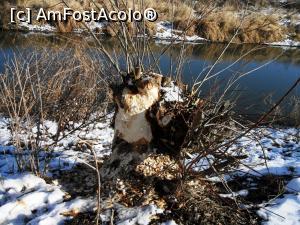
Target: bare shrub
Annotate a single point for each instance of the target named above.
(44, 85)
(66, 80)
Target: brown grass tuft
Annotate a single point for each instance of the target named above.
(112, 29)
(260, 28)
(172, 11)
(188, 26)
(151, 28)
(255, 28)
(65, 27)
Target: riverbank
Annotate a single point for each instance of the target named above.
(56, 121)
(267, 181)
(260, 24)
(255, 92)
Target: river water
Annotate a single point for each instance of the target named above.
(270, 70)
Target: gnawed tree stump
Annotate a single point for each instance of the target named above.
(144, 126)
(133, 132)
(157, 129)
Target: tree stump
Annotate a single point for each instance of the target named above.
(133, 133)
(143, 125)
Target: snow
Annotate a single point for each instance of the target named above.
(286, 42)
(56, 213)
(25, 197)
(235, 194)
(165, 32)
(64, 155)
(284, 210)
(40, 28)
(170, 222)
(137, 215)
(28, 199)
(132, 216)
(282, 150)
(172, 93)
(47, 28)
(4, 133)
(293, 185)
(96, 25)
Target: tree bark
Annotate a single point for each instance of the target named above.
(133, 132)
(145, 123)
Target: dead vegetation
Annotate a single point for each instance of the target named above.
(201, 199)
(264, 188)
(62, 86)
(186, 141)
(69, 84)
(66, 26)
(226, 26)
(256, 28)
(220, 21)
(5, 15)
(75, 4)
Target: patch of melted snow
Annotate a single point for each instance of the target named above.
(285, 210)
(287, 42)
(137, 215)
(167, 33)
(39, 28)
(172, 93)
(25, 197)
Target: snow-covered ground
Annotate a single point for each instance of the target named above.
(282, 151)
(28, 199)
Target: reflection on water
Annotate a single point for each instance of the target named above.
(257, 91)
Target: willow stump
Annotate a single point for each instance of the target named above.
(143, 125)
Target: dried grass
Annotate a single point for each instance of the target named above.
(113, 29)
(66, 26)
(5, 15)
(172, 11)
(189, 26)
(199, 203)
(74, 4)
(237, 4)
(254, 28)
